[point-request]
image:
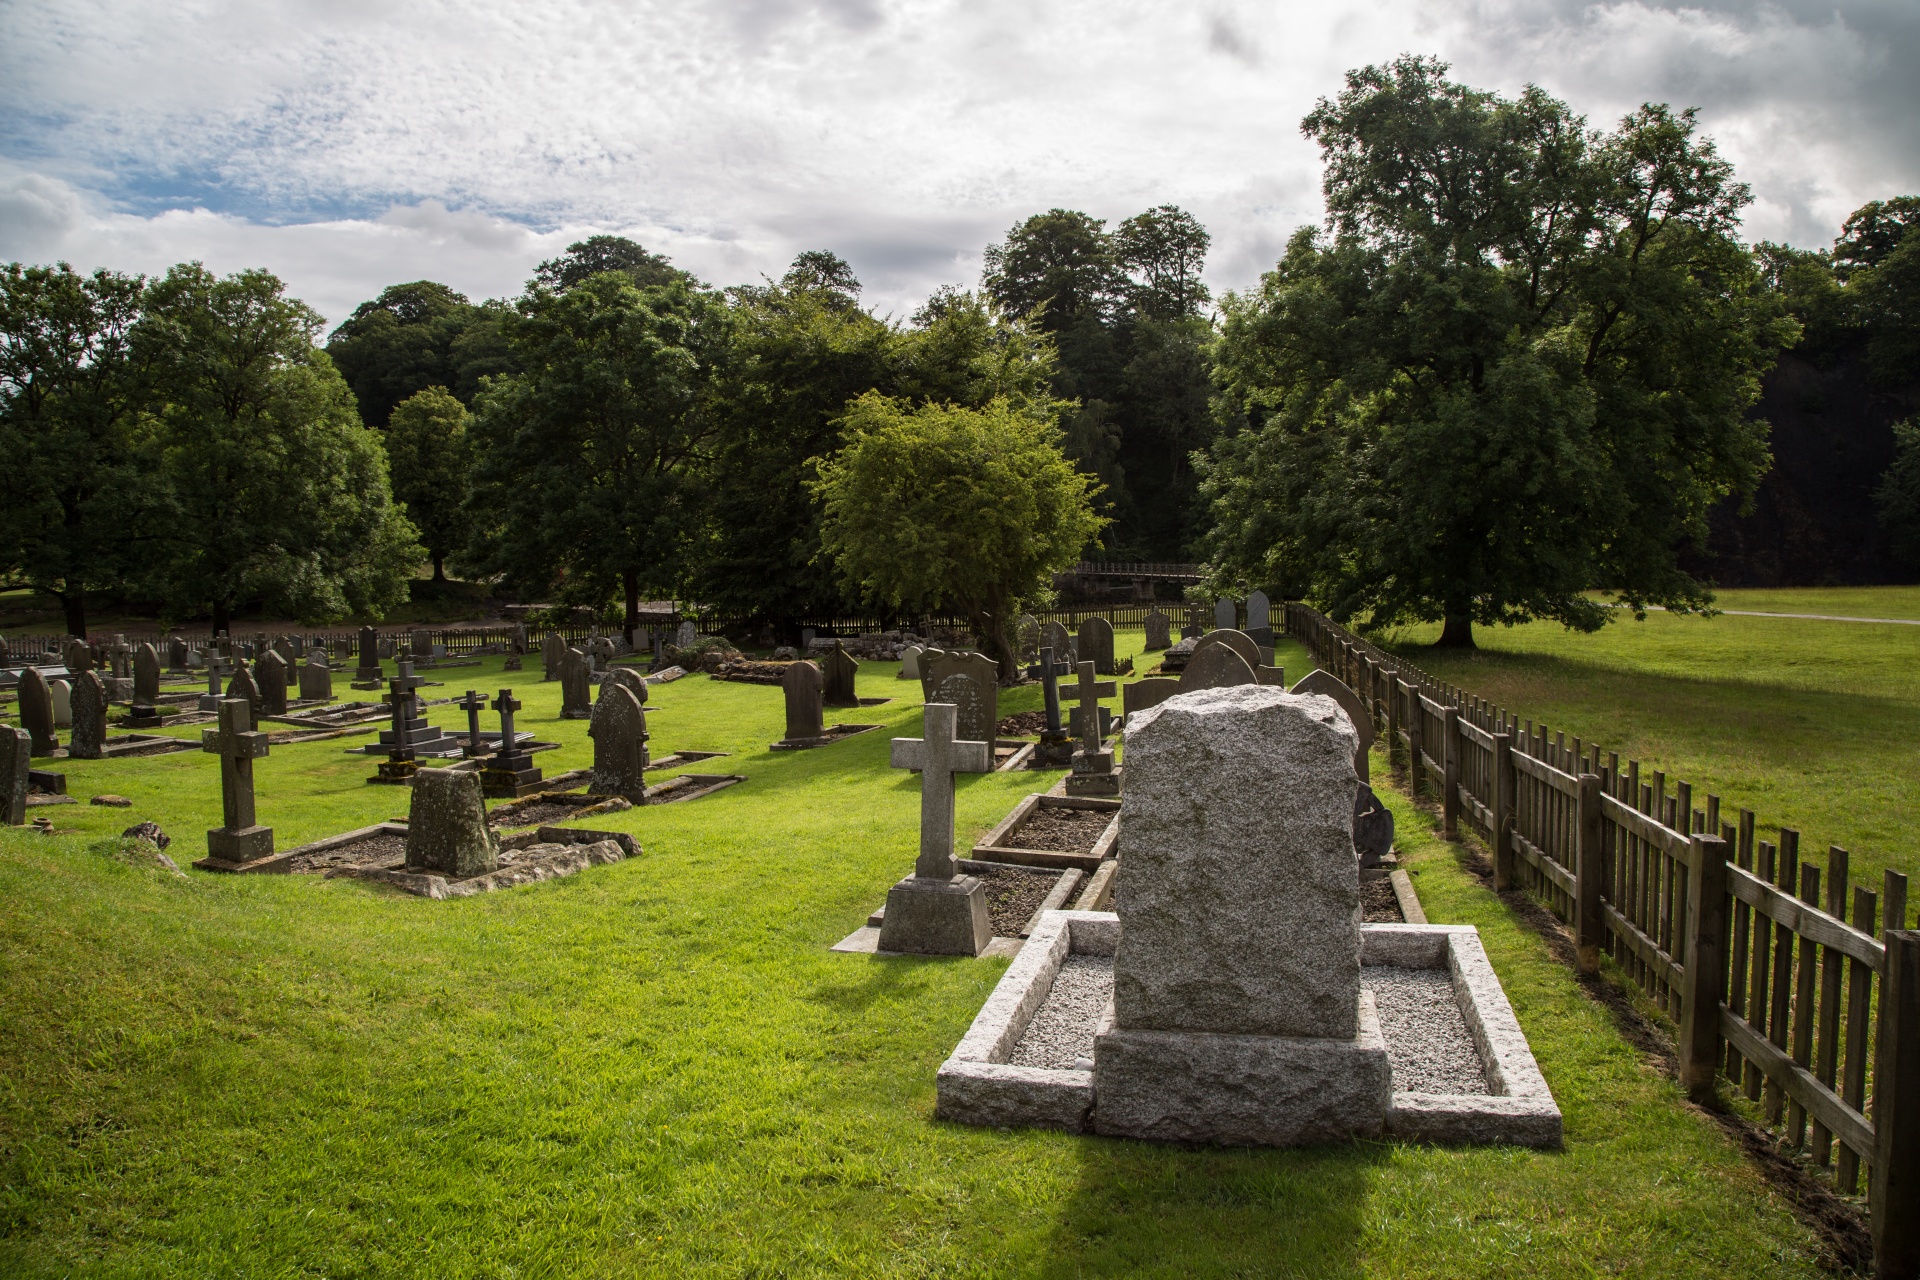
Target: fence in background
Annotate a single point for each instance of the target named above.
(1802, 987)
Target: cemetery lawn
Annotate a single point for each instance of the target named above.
(1813, 725)
(658, 1068)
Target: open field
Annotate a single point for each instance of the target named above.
(658, 1068)
(1814, 725)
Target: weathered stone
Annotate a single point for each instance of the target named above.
(970, 682)
(79, 656)
(553, 655)
(316, 677)
(1226, 615)
(1059, 639)
(146, 674)
(1159, 630)
(240, 839)
(16, 753)
(910, 662)
(1026, 633)
(1240, 906)
(369, 668)
(447, 826)
(1096, 644)
(838, 672)
(632, 680)
(1150, 692)
(1216, 667)
(243, 685)
(1328, 685)
(177, 653)
(1240, 642)
(686, 635)
(270, 677)
(576, 686)
(801, 684)
(89, 716)
(619, 732)
(1259, 625)
(36, 711)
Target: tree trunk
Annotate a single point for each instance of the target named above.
(986, 624)
(74, 603)
(1458, 632)
(439, 568)
(219, 617)
(630, 578)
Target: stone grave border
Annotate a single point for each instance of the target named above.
(278, 864)
(834, 733)
(976, 1084)
(674, 759)
(140, 746)
(691, 786)
(1002, 843)
(590, 849)
(606, 804)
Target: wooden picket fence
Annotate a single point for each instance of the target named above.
(1806, 997)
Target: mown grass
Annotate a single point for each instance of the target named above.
(1813, 725)
(658, 1068)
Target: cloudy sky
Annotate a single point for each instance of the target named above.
(351, 144)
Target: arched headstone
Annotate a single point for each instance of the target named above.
(1239, 641)
(1216, 667)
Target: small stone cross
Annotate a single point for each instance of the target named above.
(506, 704)
(401, 697)
(938, 756)
(238, 745)
(473, 704)
(1048, 672)
(1088, 691)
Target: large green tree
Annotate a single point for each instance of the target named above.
(942, 507)
(277, 493)
(587, 461)
(1516, 368)
(415, 336)
(597, 255)
(73, 495)
(430, 460)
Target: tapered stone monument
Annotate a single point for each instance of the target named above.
(89, 738)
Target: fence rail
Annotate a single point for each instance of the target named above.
(1801, 995)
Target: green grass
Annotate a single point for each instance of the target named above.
(658, 1068)
(1848, 602)
(1812, 725)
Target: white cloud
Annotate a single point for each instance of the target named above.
(352, 145)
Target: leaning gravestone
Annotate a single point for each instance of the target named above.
(1056, 637)
(89, 738)
(447, 826)
(970, 683)
(576, 686)
(553, 655)
(1096, 644)
(16, 751)
(270, 677)
(36, 711)
(619, 732)
(839, 671)
(801, 685)
(146, 675)
(316, 677)
(1226, 615)
(1238, 1016)
(1158, 631)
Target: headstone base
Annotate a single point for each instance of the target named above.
(1054, 750)
(235, 849)
(208, 702)
(1106, 783)
(364, 684)
(937, 917)
(396, 771)
(1243, 1091)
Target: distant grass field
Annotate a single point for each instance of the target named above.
(658, 1068)
(1811, 724)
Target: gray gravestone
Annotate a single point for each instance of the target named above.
(1056, 637)
(36, 711)
(60, 694)
(801, 684)
(1096, 644)
(1238, 1016)
(553, 655)
(241, 839)
(1328, 685)
(576, 686)
(176, 653)
(970, 683)
(369, 655)
(270, 677)
(1259, 624)
(1159, 631)
(447, 826)
(519, 640)
(686, 635)
(934, 911)
(316, 677)
(619, 732)
(1216, 667)
(16, 753)
(1026, 630)
(79, 656)
(1226, 615)
(146, 674)
(89, 716)
(1240, 642)
(837, 676)
(243, 685)
(910, 661)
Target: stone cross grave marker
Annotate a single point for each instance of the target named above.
(400, 763)
(270, 676)
(146, 674)
(1088, 725)
(510, 771)
(1055, 748)
(801, 684)
(240, 839)
(970, 682)
(1096, 644)
(1226, 615)
(576, 686)
(935, 911)
(89, 738)
(36, 711)
(837, 678)
(447, 826)
(473, 704)
(1159, 630)
(316, 677)
(16, 752)
(619, 733)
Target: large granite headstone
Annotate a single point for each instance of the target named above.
(270, 677)
(146, 674)
(838, 672)
(1159, 631)
(36, 711)
(619, 732)
(16, 753)
(970, 683)
(1096, 644)
(447, 825)
(89, 716)
(801, 685)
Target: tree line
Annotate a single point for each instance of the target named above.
(1516, 366)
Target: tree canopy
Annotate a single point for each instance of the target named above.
(596, 255)
(415, 336)
(431, 463)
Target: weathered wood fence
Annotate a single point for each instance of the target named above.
(1800, 986)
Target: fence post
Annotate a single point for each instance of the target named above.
(1502, 811)
(1450, 800)
(1414, 716)
(1589, 921)
(1706, 965)
(1393, 716)
(1895, 1186)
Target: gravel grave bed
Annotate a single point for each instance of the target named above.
(1022, 724)
(1381, 904)
(388, 846)
(1013, 895)
(1061, 830)
(1061, 1033)
(1427, 1038)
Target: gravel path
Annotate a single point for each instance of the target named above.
(1427, 1038)
(1061, 1033)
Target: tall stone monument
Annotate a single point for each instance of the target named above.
(1259, 622)
(240, 839)
(36, 711)
(936, 911)
(89, 738)
(1226, 615)
(369, 669)
(553, 655)
(576, 686)
(838, 672)
(270, 677)
(619, 733)
(16, 751)
(146, 674)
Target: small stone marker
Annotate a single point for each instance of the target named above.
(1259, 625)
(619, 733)
(369, 656)
(36, 711)
(1226, 615)
(447, 826)
(60, 693)
(146, 674)
(1056, 748)
(553, 655)
(270, 676)
(16, 754)
(686, 635)
(241, 839)
(510, 772)
(805, 719)
(1093, 771)
(910, 661)
(316, 677)
(473, 704)
(576, 686)
(837, 676)
(89, 738)
(934, 911)
(1158, 630)
(1096, 644)
(970, 683)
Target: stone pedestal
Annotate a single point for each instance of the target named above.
(936, 917)
(1094, 774)
(248, 844)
